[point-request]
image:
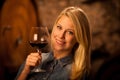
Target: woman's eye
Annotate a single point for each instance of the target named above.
(70, 33)
(59, 27)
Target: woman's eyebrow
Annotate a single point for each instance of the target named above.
(59, 24)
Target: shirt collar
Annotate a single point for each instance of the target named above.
(65, 60)
(62, 61)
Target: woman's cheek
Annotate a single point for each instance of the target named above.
(53, 38)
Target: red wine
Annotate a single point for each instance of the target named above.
(38, 44)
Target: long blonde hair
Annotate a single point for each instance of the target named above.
(81, 63)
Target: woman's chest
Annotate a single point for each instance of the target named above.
(53, 71)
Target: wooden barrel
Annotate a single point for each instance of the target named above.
(17, 17)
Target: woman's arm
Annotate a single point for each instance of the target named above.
(23, 75)
(34, 59)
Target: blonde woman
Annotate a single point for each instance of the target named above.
(70, 56)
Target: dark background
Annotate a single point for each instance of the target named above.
(18, 16)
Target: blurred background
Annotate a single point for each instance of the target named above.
(18, 16)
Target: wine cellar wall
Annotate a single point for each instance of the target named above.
(18, 16)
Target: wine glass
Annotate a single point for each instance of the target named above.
(39, 38)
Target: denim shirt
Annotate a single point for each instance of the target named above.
(55, 69)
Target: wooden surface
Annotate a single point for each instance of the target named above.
(17, 17)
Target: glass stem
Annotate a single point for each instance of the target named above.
(38, 50)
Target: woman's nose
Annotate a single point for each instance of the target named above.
(62, 34)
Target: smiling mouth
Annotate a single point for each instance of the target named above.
(60, 42)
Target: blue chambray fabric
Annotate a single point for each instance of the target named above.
(55, 69)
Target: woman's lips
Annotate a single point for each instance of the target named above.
(59, 42)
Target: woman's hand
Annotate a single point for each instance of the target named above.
(33, 59)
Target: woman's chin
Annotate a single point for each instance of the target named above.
(58, 49)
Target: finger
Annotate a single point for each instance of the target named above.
(35, 54)
(33, 60)
(31, 57)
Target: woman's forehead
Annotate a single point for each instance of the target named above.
(65, 21)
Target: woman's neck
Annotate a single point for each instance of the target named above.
(60, 54)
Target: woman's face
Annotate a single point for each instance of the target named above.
(63, 35)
